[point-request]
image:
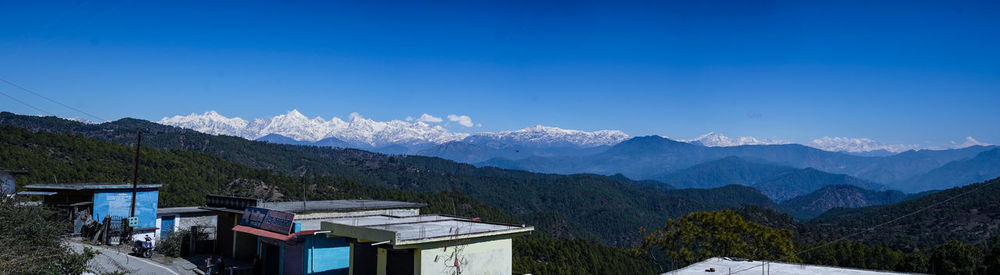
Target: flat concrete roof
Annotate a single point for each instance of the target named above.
(400, 231)
(438, 229)
(181, 210)
(314, 224)
(724, 265)
(337, 205)
(89, 186)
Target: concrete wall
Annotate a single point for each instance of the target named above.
(186, 221)
(475, 257)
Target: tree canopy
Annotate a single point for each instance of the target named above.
(701, 235)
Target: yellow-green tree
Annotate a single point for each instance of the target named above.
(701, 235)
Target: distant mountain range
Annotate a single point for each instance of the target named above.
(397, 136)
(778, 182)
(581, 205)
(608, 152)
(654, 157)
(417, 136)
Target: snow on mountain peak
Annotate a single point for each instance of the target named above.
(540, 135)
(210, 122)
(713, 139)
(969, 141)
(854, 145)
(364, 131)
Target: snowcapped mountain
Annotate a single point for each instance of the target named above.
(857, 145)
(357, 130)
(713, 139)
(426, 132)
(545, 136)
(362, 132)
(210, 123)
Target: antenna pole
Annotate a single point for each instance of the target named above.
(135, 179)
(304, 182)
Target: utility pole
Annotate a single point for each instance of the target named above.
(135, 179)
(304, 182)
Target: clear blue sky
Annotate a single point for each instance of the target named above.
(906, 72)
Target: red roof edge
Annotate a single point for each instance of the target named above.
(269, 234)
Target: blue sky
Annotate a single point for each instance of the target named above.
(908, 72)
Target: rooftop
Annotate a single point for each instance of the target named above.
(181, 210)
(88, 186)
(314, 224)
(13, 172)
(416, 229)
(725, 265)
(337, 205)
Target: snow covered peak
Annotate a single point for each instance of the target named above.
(539, 135)
(295, 125)
(82, 120)
(210, 122)
(365, 132)
(855, 145)
(969, 141)
(713, 139)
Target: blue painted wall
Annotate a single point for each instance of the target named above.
(327, 255)
(7, 183)
(119, 202)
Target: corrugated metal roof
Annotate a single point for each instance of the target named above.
(337, 205)
(88, 186)
(181, 210)
(36, 193)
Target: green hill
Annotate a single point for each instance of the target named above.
(187, 176)
(808, 206)
(565, 206)
(971, 218)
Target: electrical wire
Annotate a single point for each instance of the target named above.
(25, 103)
(49, 99)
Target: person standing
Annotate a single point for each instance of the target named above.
(209, 264)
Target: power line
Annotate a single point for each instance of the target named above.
(49, 99)
(876, 226)
(25, 103)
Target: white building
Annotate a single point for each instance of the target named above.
(175, 219)
(746, 267)
(427, 244)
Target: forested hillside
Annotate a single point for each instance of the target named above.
(778, 182)
(588, 206)
(973, 217)
(808, 206)
(187, 176)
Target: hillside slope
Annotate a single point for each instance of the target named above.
(808, 206)
(586, 205)
(187, 176)
(803, 181)
(725, 171)
(778, 182)
(973, 217)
